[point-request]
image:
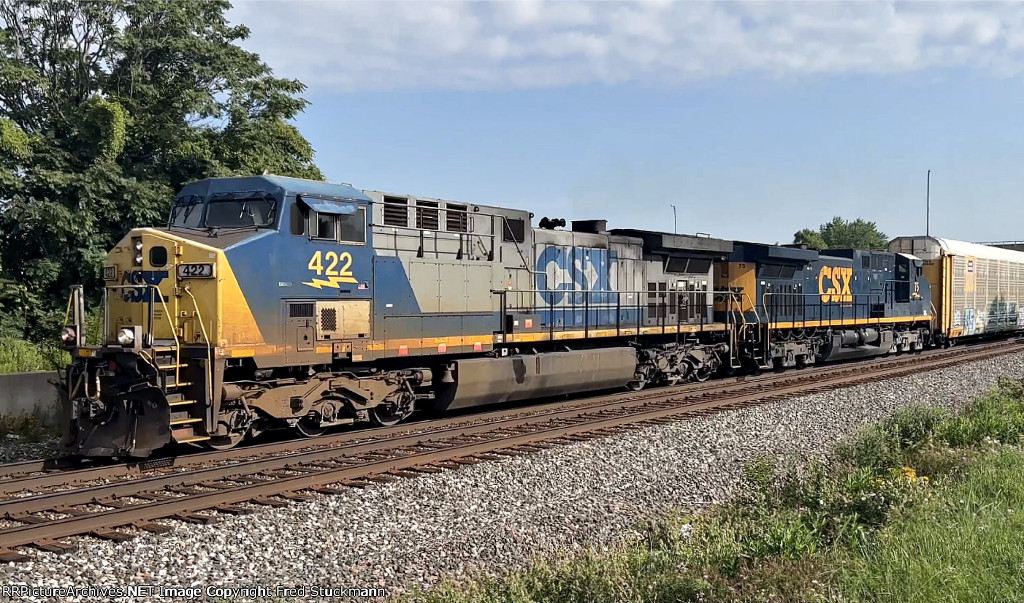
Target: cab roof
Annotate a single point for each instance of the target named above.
(278, 186)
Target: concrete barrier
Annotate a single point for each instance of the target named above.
(30, 394)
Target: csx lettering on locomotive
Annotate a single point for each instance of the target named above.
(838, 280)
(141, 277)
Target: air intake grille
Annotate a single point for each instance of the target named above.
(396, 211)
(328, 319)
(300, 310)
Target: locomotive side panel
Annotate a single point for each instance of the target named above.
(438, 264)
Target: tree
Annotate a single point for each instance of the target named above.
(106, 109)
(843, 234)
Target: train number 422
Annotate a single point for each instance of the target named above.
(336, 266)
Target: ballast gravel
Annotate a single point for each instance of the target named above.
(15, 449)
(497, 515)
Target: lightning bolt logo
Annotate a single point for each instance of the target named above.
(331, 282)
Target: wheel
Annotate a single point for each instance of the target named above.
(702, 374)
(637, 385)
(641, 378)
(309, 426)
(384, 416)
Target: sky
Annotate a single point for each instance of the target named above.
(755, 119)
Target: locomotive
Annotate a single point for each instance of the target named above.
(271, 302)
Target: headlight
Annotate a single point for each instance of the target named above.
(68, 335)
(138, 244)
(138, 259)
(126, 336)
(137, 247)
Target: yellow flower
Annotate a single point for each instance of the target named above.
(909, 473)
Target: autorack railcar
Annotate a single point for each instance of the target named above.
(978, 290)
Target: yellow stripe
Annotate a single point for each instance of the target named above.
(800, 324)
(431, 343)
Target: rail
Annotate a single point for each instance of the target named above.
(39, 517)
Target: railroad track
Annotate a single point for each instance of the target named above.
(42, 507)
(27, 475)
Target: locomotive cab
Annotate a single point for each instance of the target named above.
(193, 309)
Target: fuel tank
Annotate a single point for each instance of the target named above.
(479, 381)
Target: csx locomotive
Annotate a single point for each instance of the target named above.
(272, 302)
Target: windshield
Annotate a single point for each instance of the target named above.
(187, 211)
(226, 213)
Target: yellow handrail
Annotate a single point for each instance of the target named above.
(209, 346)
(174, 333)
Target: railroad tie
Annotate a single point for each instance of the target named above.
(268, 502)
(196, 518)
(296, 496)
(153, 528)
(233, 510)
(55, 546)
(112, 535)
(11, 556)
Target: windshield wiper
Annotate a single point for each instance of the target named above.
(188, 205)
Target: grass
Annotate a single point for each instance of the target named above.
(964, 543)
(20, 356)
(924, 506)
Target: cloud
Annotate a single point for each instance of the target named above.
(360, 46)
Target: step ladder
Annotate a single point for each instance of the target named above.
(187, 414)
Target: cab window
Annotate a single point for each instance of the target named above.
(299, 219)
(326, 226)
(344, 228)
(352, 227)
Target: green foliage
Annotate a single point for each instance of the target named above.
(13, 141)
(886, 444)
(843, 234)
(103, 124)
(964, 543)
(998, 416)
(18, 356)
(108, 108)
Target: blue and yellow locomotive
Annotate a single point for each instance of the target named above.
(272, 302)
(831, 305)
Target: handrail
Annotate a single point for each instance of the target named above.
(209, 346)
(702, 300)
(149, 330)
(871, 298)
